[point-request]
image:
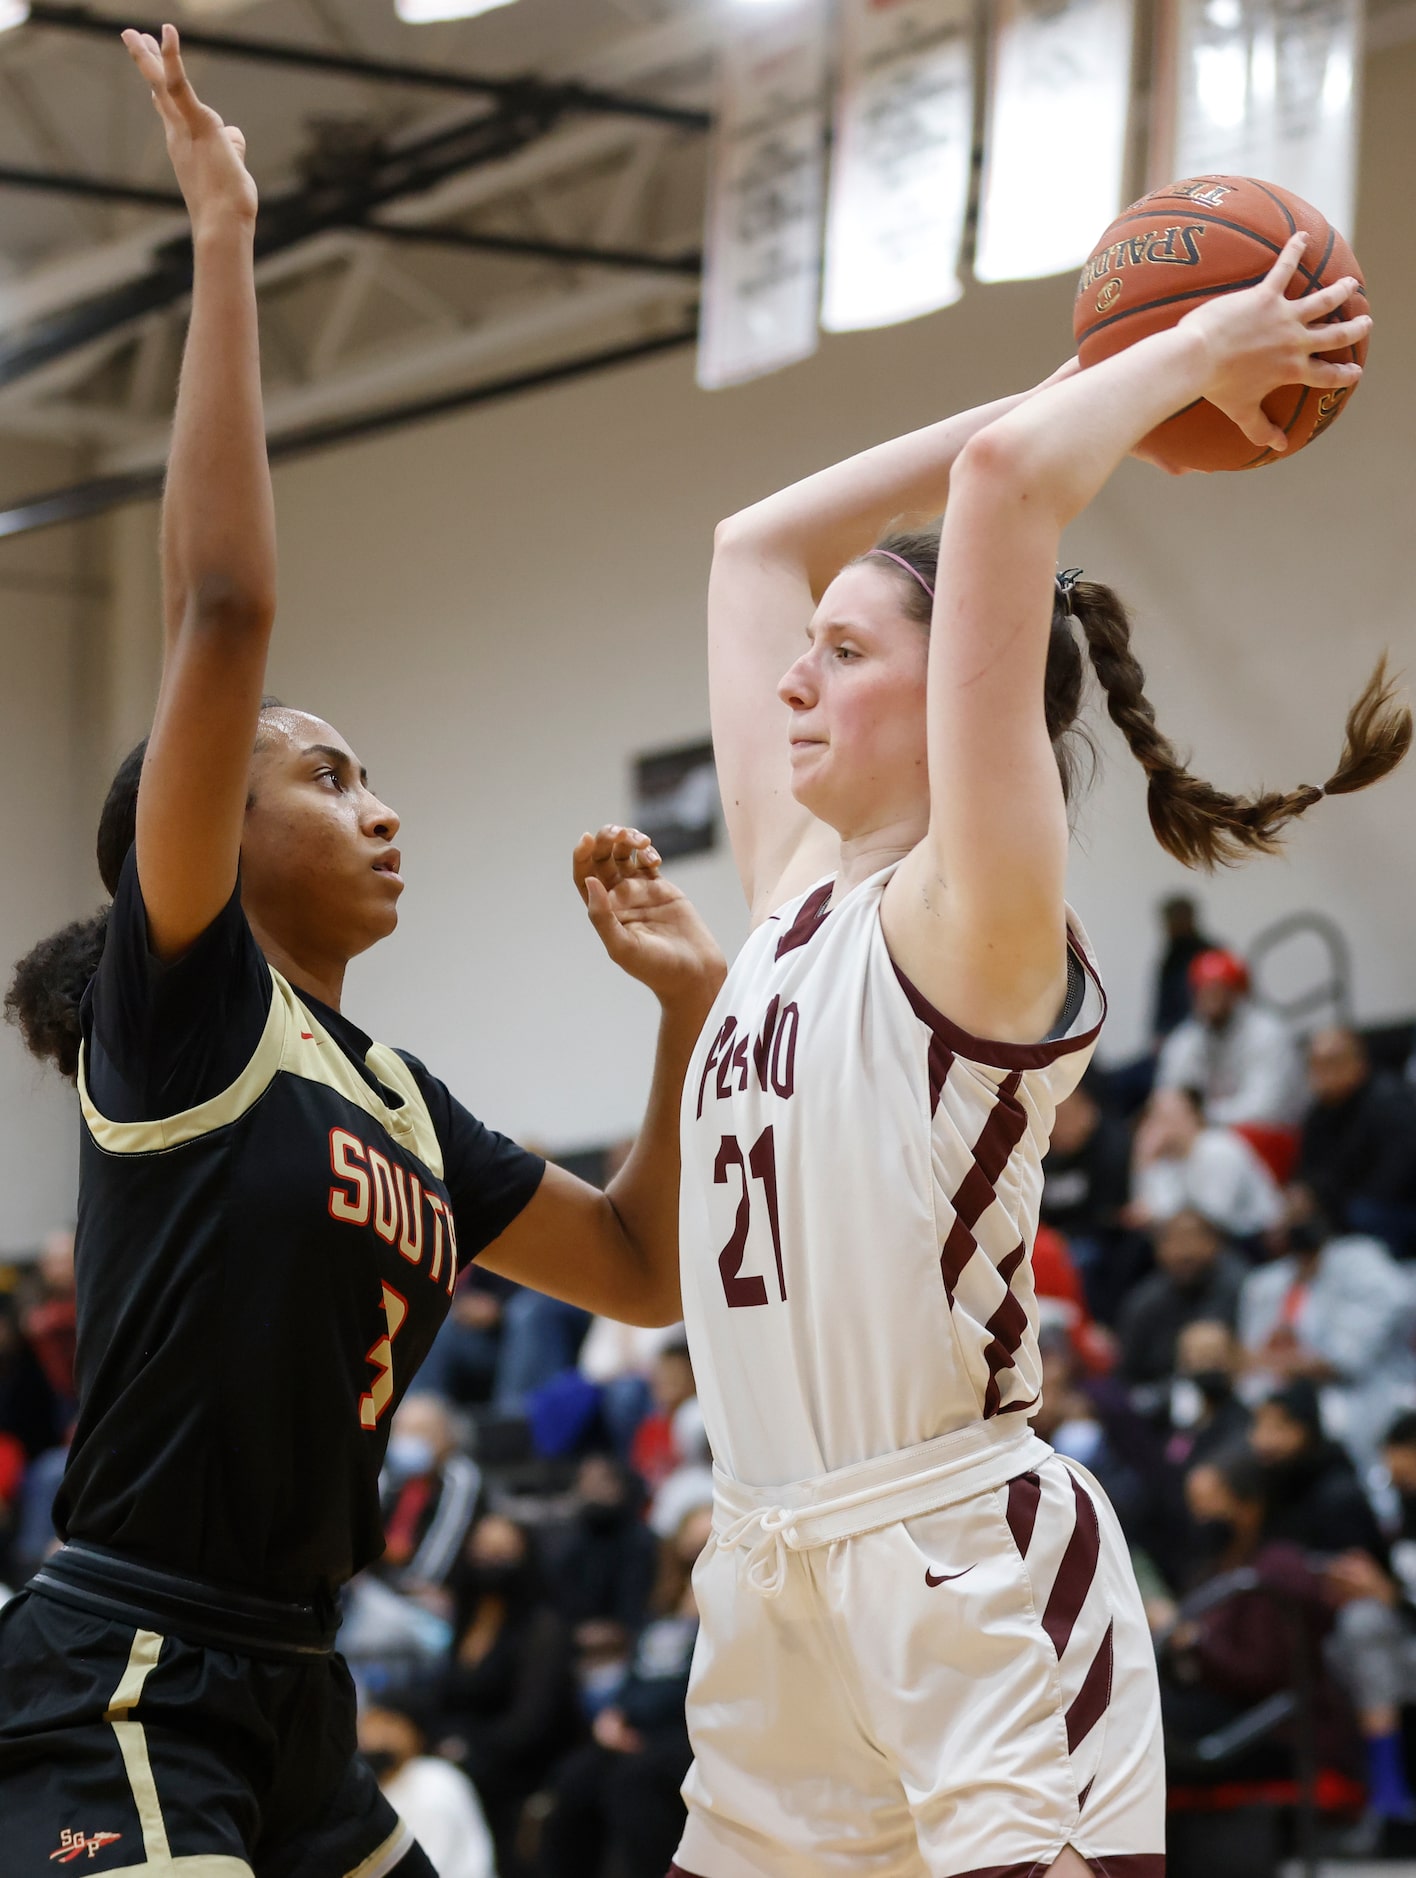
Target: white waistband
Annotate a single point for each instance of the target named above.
(769, 1522)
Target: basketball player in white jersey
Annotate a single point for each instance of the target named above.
(922, 1648)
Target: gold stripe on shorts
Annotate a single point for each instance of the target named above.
(132, 1745)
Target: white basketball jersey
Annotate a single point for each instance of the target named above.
(860, 1193)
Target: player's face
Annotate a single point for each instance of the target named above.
(319, 870)
(859, 757)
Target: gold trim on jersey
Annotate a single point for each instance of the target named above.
(383, 1858)
(293, 1043)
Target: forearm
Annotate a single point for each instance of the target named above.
(218, 521)
(823, 521)
(645, 1191)
(1058, 448)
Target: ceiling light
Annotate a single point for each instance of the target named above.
(422, 12)
(13, 13)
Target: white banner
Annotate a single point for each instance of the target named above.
(900, 171)
(762, 253)
(1268, 88)
(1055, 148)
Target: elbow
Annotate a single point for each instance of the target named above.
(225, 603)
(733, 532)
(1011, 463)
(997, 455)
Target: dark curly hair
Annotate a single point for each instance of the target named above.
(1197, 823)
(48, 984)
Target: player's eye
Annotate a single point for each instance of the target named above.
(845, 653)
(333, 775)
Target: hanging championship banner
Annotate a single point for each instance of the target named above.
(762, 253)
(1055, 147)
(900, 170)
(1267, 88)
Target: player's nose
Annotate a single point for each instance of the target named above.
(795, 687)
(379, 819)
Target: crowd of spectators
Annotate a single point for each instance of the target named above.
(1226, 1282)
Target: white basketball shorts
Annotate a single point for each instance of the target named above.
(961, 1694)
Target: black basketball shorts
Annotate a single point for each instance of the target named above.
(127, 1749)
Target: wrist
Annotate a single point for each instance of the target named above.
(222, 228)
(690, 1000)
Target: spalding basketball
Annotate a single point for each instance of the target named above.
(1183, 244)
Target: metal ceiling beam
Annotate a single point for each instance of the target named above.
(508, 93)
(524, 247)
(66, 183)
(81, 500)
(283, 222)
(96, 188)
(656, 54)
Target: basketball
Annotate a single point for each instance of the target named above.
(1175, 248)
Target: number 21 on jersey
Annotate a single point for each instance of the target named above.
(758, 1169)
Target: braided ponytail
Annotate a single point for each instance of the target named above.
(1197, 823)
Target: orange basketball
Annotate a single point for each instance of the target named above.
(1181, 245)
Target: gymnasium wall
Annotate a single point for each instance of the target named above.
(501, 609)
(51, 603)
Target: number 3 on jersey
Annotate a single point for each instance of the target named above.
(762, 1162)
(379, 1394)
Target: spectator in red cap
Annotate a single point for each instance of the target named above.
(1240, 1058)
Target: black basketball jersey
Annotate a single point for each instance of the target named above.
(272, 1209)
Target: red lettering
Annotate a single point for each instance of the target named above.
(410, 1215)
(439, 1211)
(762, 1048)
(385, 1198)
(729, 1025)
(784, 1052)
(452, 1248)
(739, 1292)
(742, 1293)
(346, 1159)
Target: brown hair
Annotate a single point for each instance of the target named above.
(46, 992)
(1197, 823)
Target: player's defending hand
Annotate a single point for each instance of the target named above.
(648, 926)
(207, 154)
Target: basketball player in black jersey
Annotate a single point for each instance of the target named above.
(273, 1209)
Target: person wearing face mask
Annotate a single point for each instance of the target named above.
(1230, 1657)
(1375, 1640)
(429, 1493)
(615, 1802)
(506, 1701)
(1198, 1275)
(604, 1572)
(438, 1803)
(1340, 1311)
(1206, 1413)
(1315, 1499)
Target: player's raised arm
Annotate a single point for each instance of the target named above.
(978, 906)
(617, 1252)
(771, 563)
(218, 532)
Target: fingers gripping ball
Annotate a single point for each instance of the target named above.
(1180, 246)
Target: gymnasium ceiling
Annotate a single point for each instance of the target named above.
(422, 243)
(421, 240)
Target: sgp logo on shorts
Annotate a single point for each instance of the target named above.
(73, 1845)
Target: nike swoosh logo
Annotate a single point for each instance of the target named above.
(945, 1577)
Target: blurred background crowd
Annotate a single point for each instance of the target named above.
(1226, 1273)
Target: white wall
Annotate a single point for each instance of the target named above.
(500, 609)
(49, 602)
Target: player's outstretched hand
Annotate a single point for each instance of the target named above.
(1258, 340)
(209, 156)
(648, 926)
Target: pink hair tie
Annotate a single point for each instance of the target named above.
(900, 561)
